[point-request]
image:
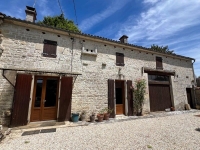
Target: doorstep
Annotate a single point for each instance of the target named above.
(39, 125)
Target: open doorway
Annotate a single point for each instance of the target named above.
(189, 97)
(120, 97)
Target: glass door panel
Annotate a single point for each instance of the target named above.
(51, 92)
(38, 95)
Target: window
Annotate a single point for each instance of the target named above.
(119, 59)
(49, 49)
(159, 64)
(158, 78)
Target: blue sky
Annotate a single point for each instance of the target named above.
(175, 23)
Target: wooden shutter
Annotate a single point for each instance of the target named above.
(130, 98)
(65, 99)
(49, 49)
(198, 82)
(111, 102)
(21, 100)
(119, 59)
(159, 64)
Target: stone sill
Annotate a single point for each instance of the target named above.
(89, 53)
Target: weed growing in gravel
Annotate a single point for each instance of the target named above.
(149, 146)
(26, 142)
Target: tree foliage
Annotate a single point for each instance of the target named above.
(163, 49)
(59, 22)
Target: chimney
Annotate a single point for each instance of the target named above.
(124, 39)
(30, 14)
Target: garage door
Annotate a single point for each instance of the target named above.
(159, 93)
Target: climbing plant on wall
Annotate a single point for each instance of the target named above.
(139, 93)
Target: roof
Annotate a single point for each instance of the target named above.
(93, 36)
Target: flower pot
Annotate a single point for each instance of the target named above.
(172, 109)
(100, 117)
(139, 114)
(106, 116)
(83, 117)
(92, 118)
(75, 117)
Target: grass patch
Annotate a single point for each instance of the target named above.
(26, 142)
(149, 146)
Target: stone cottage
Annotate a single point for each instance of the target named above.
(47, 73)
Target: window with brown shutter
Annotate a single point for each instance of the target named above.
(159, 64)
(49, 49)
(119, 59)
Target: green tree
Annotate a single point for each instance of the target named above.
(59, 22)
(163, 49)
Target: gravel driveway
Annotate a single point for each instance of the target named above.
(162, 133)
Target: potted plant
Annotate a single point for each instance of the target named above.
(75, 117)
(107, 112)
(138, 99)
(83, 115)
(92, 117)
(172, 109)
(100, 115)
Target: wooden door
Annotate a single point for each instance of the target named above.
(130, 98)
(120, 97)
(65, 99)
(45, 98)
(160, 98)
(21, 100)
(111, 102)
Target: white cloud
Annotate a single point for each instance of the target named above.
(162, 23)
(44, 8)
(163, 19)
(150, 1)
(91, 21)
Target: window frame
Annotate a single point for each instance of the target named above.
(119, 59)
(49, 48)
(159, 62)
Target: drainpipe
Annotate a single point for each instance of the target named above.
(195, 83)
(72, 53)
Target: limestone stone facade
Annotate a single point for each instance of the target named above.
(22, 45)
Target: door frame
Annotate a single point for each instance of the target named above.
(33, 92)
(189, 91)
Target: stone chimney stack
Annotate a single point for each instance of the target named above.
(30, 14)
(124, 39)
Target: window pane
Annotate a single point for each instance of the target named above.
(51, 92)
(158, 78)
(38, 94)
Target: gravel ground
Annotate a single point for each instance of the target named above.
(160, 133)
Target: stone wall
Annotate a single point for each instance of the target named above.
(23, 50)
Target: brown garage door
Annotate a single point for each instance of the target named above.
(160, 98)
